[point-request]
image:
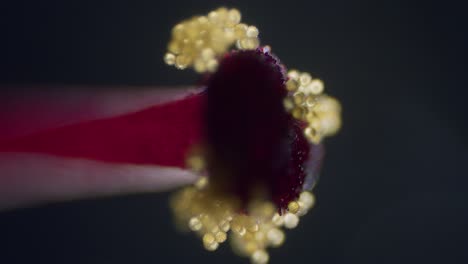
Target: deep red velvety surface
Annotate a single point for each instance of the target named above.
(255, 145)
(159, 135)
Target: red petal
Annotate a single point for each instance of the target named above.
(160, 134)
(25, 110)
(84, 143)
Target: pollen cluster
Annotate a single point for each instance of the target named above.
(199, 41)
(251, 229)
(307, 102)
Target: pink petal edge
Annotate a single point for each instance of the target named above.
(29, 179)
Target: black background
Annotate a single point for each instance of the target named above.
(393, 187)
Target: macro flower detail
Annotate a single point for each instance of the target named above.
(260, 148)
(248, 141)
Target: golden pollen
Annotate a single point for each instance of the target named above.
(220, 237)
(215, 218)
(195, 224)
(208, 238)
(277, 219)
(306, 102)
(169, 58)
(252, 32)
(260, 257)
(275, 237)
(291, 220)
(198, 42)
(293, 207)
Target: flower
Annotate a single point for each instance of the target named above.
(260, 149)
(248, 141)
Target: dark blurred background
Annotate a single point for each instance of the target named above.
(393, 187)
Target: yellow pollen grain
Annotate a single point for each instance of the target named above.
(307, 199)
(182, 62)
(249, 43)
(305, 78)
(253, 228)
(202, 182)
(169, 58)
(240, 31)
(293, 75)
(250, 247)
(242, 231)
(174, 47)
(208, 238)
(277, 219)
(235, 226)
(299, 98)
(288, 104)
(225, 226)
(291, 220)
(298, 112)
(211, 247)
(316, 87)
(260, 236)
(207, 54)
(293, 207)
(252, 32)
(199, 66)
(310, 101)
(275, 237)
(195, 224)
(233, 17)
(260, 257)
(220, 237)
(291, 85)
(212, 65)
(178, 31)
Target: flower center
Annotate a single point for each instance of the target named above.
(254, 145)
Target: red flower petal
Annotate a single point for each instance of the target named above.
(159, 134)
(70, 144)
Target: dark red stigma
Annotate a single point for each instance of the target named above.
(255, 145)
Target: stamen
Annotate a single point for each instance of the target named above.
(242, 199)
